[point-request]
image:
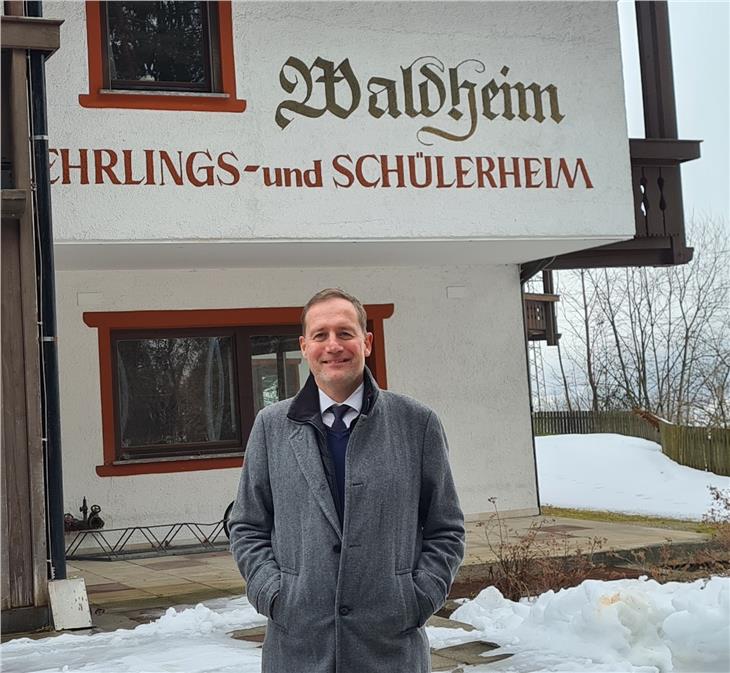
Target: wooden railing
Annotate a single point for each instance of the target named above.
(658, 211)
(540, 317)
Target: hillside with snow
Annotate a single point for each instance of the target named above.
(620, 474)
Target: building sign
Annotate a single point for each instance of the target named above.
(424, 89)
(368, 121)
(200, 168)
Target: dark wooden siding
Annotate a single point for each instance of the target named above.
(23, 537)
(17, 551)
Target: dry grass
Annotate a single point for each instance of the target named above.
(710, 559)
(718, 516)
(636, 519)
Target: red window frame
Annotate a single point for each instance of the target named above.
(100, 97)
(108, 322)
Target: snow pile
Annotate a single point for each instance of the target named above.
(632, 626)
(201, 620)
(620, 474)
(637, 626)
(189, 640)
(441, 636)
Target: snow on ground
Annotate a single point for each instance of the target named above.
(632, 626)
(620, 474)
(186, 640)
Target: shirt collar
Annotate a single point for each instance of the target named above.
(305, 406)
(354, 401)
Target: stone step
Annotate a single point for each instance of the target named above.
(450, 659)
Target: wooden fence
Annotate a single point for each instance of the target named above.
(587, 422)
(701, 448)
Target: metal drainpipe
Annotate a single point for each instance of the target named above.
(47, 307)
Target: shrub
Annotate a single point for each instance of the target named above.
(537, 560)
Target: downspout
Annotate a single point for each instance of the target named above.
(47, 307)
(529, 391)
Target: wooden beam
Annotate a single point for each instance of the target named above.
(663, 151)
(17, 530)
(657, 77)
(532, 296)
(665, 251)
(22, 32)
(16, 88)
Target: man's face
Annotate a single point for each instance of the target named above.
(335, 347)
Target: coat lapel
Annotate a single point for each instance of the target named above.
(305, 447)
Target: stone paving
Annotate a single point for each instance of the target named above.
(449, 659)
(144, 582)
(138, 585)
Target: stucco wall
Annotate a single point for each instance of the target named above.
(464, 357)
(573, 46)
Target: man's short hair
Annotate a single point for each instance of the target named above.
(336, 293)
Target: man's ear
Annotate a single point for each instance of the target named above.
(302, 342)
(368, 343)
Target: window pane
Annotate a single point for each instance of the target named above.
(176, 390)
(157, 42)
(278, 368)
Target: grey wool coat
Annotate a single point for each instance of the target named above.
(350, 596)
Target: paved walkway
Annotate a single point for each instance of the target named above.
(135, 586)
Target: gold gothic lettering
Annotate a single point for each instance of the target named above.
(425, 88)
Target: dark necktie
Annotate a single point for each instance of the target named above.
(337, 438)
(339, 411)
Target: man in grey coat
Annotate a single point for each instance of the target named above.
(346, 526)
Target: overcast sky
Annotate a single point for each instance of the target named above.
(701, 59)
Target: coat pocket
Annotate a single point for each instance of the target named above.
(281, 605)
(411, 612)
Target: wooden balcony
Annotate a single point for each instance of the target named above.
(658, 210)
(655, 165)
(540, 317)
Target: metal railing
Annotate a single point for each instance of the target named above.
(112, 544)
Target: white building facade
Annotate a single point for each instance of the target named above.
(414, 154)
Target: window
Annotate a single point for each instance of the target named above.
(161, 55)
(160, 46)
(196, 392)
(180, 389)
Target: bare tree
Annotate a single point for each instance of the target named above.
(657, 338)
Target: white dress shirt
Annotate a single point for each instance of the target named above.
(354, 402)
